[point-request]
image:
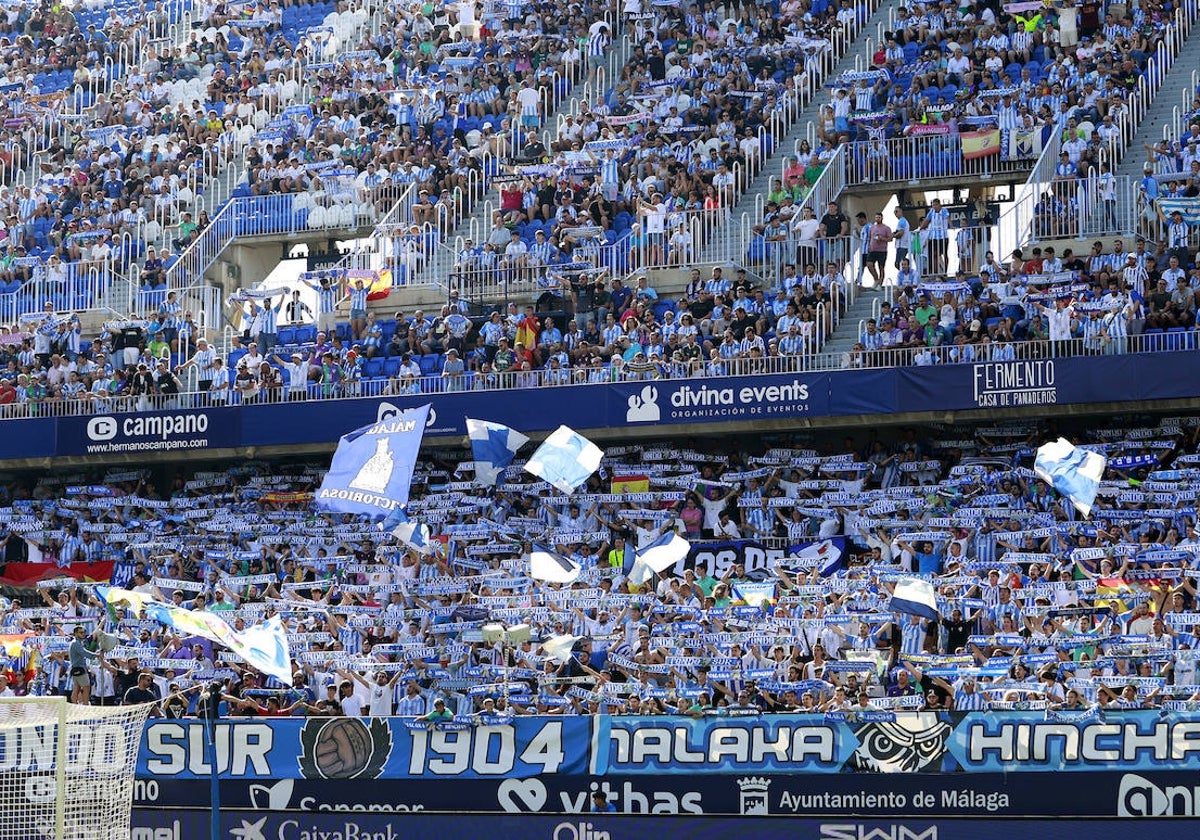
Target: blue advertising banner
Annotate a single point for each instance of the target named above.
(862, 392)
(155, 824)
(913, 742)
(1106, 794)
(1046, 382)
(362, 748)
(630, 405)
(718, 400)
(144, 431)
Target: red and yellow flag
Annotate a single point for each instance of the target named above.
(979, 144)
(630, 484)
(381, 286)
(13, 643)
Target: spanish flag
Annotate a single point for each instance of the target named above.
(631, 484)
(381, 285)
(13, 643)
(1111, 591)
(979, 144)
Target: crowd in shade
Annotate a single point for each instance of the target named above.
(786, 601)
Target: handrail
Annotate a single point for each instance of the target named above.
(805, 362)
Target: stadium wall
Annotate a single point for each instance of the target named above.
(932, 768)
(948, 393)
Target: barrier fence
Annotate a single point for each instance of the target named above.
(390, 382)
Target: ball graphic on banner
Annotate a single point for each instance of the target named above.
(344, 748)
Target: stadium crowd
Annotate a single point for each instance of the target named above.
(281, 97)
(1038, 607)
(427, 98)
(588, 327)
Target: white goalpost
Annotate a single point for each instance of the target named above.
(66, 771)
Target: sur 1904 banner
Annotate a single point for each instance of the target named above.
(908, 742)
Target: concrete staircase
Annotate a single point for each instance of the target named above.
(846, 333)
(726, 245)
(439, 264)
(1161, 112)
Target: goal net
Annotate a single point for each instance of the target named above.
(66, 771)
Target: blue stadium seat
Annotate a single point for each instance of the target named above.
(1178, 338)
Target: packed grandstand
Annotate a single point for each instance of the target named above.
(782, 605)
(136, 144)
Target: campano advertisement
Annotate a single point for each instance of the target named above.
(149, 431)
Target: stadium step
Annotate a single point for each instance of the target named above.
(846, 333)
(438, 267)
(726, 245)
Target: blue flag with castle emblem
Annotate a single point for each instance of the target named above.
(373, 466)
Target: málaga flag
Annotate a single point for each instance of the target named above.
(979, 144)
(915, 596)
(1189, 207)
(493, 446)
(1072, 471)
(1023, 143)
(566, 459)
(373, 466)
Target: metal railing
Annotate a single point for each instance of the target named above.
(203, 301)
(269, 215)
(1022, 220)
(920, 157)
(436, 383)
(1016, 225)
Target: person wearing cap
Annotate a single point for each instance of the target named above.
(297, 371)
(454, 371)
